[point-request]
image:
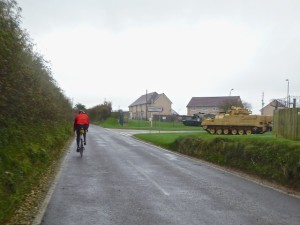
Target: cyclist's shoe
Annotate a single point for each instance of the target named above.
(78, 149)
(85, 143)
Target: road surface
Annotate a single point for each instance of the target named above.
(122, 181)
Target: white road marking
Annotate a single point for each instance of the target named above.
(171, 156)
(149, 179)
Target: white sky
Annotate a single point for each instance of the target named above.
(116, 50)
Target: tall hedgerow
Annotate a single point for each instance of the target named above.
(35, 115)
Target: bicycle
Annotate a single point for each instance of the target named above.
(81, 146)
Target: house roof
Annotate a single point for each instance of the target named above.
(212, 101)
(174, 112)
(276, 104)
(150, 97)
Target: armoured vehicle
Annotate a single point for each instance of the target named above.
(238, 121)
(196, 119)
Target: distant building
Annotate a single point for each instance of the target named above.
(212, 105)
(150, 104)
(275, 104)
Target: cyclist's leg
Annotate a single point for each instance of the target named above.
(84, 135)
(77, 135)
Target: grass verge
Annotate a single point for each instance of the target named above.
(27, 152)
(146, 125)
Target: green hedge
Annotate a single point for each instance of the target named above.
(277, 161)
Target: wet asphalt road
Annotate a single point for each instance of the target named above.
(122, 181)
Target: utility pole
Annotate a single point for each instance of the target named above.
(288, 94)
(146, 106)
(262, 103)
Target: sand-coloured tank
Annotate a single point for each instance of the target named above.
(238, 121)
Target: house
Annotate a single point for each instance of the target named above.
(268, 110)
(212, 105)
(150, 104)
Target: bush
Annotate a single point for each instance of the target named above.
(270, 159)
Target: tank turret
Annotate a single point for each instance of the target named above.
(238, 111)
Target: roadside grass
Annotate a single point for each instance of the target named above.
(146, 125)
(263, 155)
(27, 151)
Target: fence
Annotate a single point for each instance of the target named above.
(167, 118)
(286, 123)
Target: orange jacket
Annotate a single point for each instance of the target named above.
(81, 118)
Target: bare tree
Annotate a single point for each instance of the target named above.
(226, 105)
(247, 105)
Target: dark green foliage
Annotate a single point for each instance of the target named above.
(80, 106)
(100, 112)
(35, 115)
(268, 158)
(28, 91)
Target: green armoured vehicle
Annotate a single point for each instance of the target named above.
(196, 119)
(238, 121)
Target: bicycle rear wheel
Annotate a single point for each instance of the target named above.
(81, 147)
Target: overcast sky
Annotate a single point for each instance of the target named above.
(115, 50)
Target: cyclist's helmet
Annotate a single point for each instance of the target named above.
(81, 111)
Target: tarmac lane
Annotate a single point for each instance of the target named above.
(123, 181)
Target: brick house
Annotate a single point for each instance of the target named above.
(150, 104)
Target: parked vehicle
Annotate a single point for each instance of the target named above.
(196, 119)
(238, 121)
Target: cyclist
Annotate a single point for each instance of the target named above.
(81, 121)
